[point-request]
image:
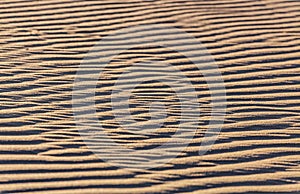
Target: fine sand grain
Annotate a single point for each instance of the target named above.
(256, 45)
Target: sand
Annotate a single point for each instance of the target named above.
(255, 45)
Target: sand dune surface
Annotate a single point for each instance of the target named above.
(254, 44)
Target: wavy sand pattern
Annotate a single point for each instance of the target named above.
(256, 45)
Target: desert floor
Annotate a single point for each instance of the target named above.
(255, 44)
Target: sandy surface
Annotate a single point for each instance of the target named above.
(256, 45)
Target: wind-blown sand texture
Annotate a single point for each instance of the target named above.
(256, 45)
